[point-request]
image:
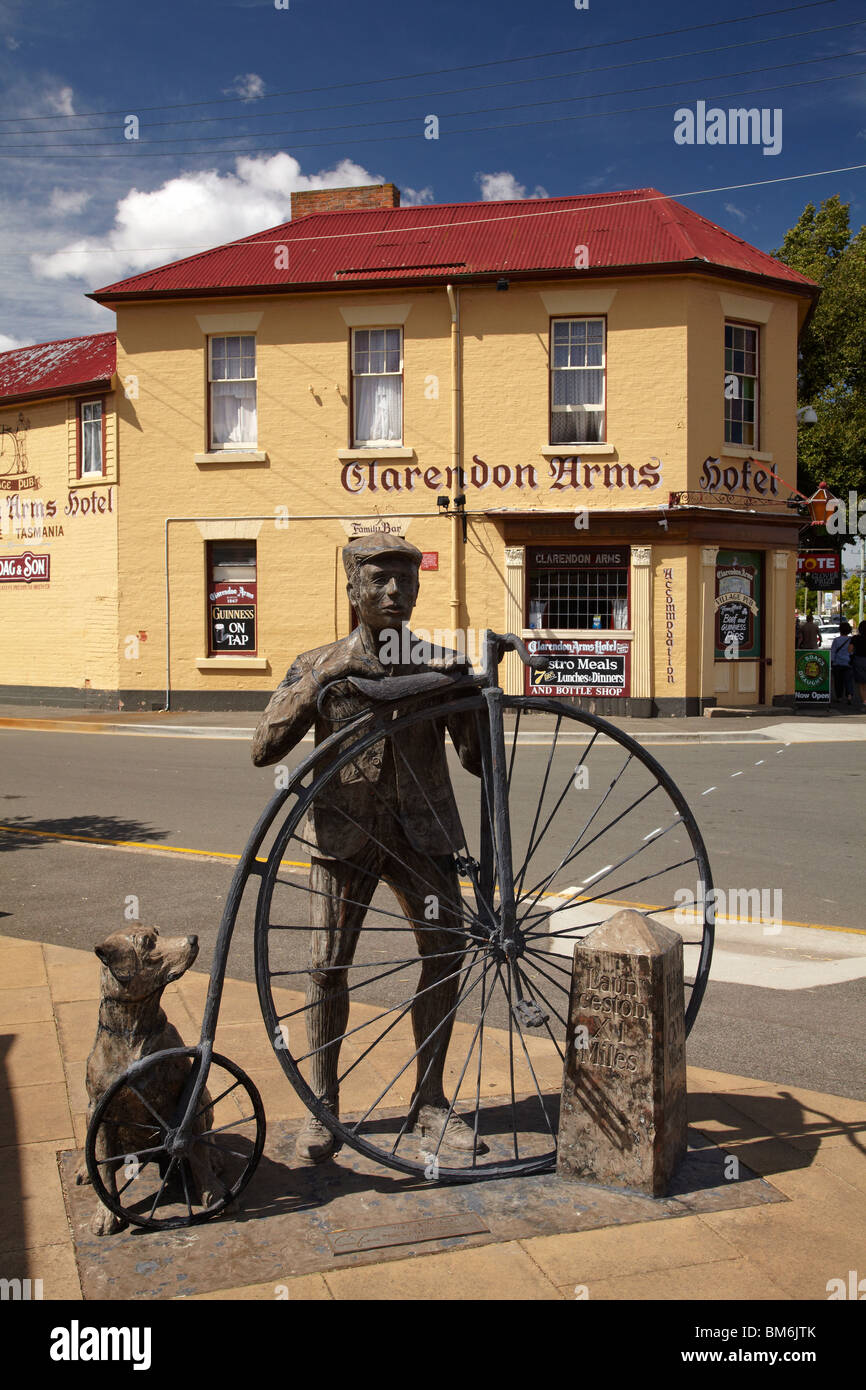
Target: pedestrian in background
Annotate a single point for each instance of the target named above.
(840, 665)
(798, 633)
(811, 634)
(858, 659)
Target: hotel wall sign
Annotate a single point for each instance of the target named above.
(25, 569)
(578, 666)
(738, 605)
(14, 474)
(233, 618)
(569, 473)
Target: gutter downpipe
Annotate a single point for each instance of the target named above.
(454, 302)
(267, 516)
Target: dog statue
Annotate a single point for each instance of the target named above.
(136, 967)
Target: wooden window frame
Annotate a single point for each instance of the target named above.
(354, 443)
(759, 347)
(210, 446)
(576, 318)
(79, 437)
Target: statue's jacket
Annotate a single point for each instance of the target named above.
(401, 779)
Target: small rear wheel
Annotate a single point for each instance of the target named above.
(150, 1169)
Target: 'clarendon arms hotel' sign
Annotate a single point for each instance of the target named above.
(572, 473)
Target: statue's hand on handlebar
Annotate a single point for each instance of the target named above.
(338, 666)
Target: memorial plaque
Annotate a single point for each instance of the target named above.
(623, 1115)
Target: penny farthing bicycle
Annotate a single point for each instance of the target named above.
(465, 957)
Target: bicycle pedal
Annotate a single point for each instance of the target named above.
(529, 1013)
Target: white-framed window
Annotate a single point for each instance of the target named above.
(232, 388)
(91, 440)
(377, 387)
(577, 381)
(742, 359)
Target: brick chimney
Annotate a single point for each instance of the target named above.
(373, 195)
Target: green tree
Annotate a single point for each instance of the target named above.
(851, 598)
(832, 359)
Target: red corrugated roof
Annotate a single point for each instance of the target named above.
(52, 368)
(625, 230)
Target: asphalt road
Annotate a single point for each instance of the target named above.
(792, 821)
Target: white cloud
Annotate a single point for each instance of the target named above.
(499, 187)
(8, 344)
(191, 213)
(414, 197)
(61, 101)
(247, 85)
(735, 211)
(11, 43)
(62, 203)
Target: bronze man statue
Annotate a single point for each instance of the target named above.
(390, 816)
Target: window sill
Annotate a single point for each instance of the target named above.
(231, 663)
(734, 451)
(558, 451)
(91, 480)
(386, 452)
(227, 457)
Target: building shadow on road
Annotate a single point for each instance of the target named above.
(22, 832)
(773, 1131)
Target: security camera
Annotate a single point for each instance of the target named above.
(806, 416)
(443, 502)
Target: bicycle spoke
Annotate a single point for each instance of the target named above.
(487, 967)
(568, 782)
(513, 751)
(171, 1164)
(533, 985)
(183, 1167)
(507, 991)
(531, 1067)
(378, 1017)
(440, 1024)
(216, 1102)
(416, 923)
(160, 1121)
(532, 965)
(544, 882)
(519, 884)
(361, 984)
(121, 1158)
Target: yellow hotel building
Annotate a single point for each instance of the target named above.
(581, 410)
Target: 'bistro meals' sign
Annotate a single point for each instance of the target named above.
(578, 666)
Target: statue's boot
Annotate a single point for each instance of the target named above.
(315, 1142)
(430, 1122)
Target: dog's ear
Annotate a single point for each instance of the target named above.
(120, 960)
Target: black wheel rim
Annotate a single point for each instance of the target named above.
(148, 1180)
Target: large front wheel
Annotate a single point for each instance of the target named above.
(410, 1028)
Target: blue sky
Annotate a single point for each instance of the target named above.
(309, 101)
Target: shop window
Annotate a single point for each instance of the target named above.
(232, 392)
(377, 387)
(578, 589)
(577, 381)
(741, 385)
(91, 439)
(232, 598)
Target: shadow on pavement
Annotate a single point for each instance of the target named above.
(20, 832)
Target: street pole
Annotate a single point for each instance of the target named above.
(860, 606)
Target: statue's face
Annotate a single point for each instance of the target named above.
(384, 592)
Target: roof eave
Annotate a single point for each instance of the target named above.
(697, 267)
(98, 384)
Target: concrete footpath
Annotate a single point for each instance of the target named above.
(811, 1148)
(824, 724)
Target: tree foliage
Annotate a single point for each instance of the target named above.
(832, 360)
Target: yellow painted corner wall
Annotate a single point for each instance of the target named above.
(674, 664)
(63, 632)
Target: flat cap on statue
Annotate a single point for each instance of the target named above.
(360, 549)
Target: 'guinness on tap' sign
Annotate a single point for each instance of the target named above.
(233, 618)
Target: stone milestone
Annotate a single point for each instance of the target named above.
(623, 1114)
